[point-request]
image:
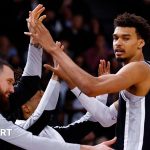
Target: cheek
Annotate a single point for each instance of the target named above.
(3, 87)
(132, 45)
(131, 48)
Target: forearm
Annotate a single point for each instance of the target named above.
(55, 77)
(26, 140)
(34, 61)
(82, 79)
(38, 126)
(86, 147)
(30, 80)
(41, 123)
(97, 109)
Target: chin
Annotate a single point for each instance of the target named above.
(119, 59)
(4, 104)
(7, 97)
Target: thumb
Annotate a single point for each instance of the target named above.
(49, 67)
(110, 142)
(28, 33)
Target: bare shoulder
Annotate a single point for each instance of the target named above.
(138, 64)
(135, 73)
(139, 67)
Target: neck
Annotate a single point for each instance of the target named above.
(138, 57)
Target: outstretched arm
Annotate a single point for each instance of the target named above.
(105, 115)
(41, 114)
(87, 83)
(48, 103)
(30, 80)
(96, 106)
(34, 59)
(103, 146)
(21, 138)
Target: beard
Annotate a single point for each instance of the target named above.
(121, 60)
(4, 102)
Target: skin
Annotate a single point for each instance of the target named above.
(6, 81)
(103, 146)
(29, 107)
(6, 86)
(127, 45)
(133, 77)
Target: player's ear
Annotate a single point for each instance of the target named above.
(141, 43)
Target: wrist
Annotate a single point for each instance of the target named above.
(55, 77)
(36, 45)
(54, 50)
(86, 147)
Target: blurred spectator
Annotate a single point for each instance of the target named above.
(78, 37)
(93, 55)
(52, 23)
(14, 58)
(5, 46)
(66, 17)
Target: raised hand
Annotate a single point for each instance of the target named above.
(34, 16)
(57, 70)
(39, 32)
(104, 67)
(31, 21)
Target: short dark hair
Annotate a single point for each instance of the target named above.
(4, 63)
(131, 20)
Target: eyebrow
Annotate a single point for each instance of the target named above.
(125, 35)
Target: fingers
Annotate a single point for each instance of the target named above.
(33, 35)
(55, 63)
(30, 13)
(104, 68)
(59, 44)
(34, 15)
(99, 69)
(108, 67)
(49, 67)
(110, 142)
(36, 12)
(62, 47)
(42, 18)
(37, 8)
(39, 13)
(27, 19)
(28, 33)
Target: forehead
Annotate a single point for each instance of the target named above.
(7, 72)
(125, 31)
